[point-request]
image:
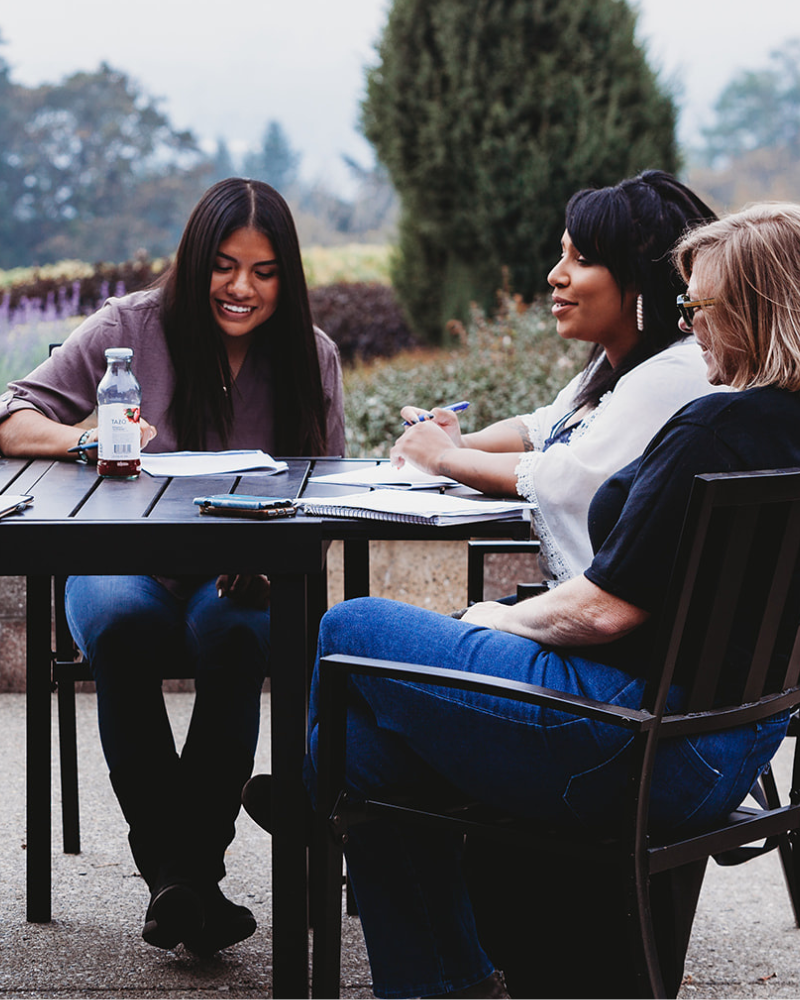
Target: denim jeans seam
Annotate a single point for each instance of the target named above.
(480, 710)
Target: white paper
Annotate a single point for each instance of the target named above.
(385, 474)
(208, 463)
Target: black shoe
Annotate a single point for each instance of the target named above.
(175, 912)
(226, 923)
(257, 800)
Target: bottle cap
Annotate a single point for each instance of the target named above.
(118, 353)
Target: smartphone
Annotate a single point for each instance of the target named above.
(239, 505)
(11, 503)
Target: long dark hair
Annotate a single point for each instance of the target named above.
(631, 228)
(201, 363)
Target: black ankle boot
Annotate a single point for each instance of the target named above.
(257, 802)
(176, 913)
(226, 923)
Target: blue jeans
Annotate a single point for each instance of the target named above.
(417, 919)
(181, 810)
(134, 631)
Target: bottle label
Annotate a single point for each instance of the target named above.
(118, 432)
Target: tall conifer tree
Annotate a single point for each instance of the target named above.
(488, 115)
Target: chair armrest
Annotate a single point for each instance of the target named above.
(628, 718)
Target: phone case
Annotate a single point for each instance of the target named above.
(12, 503)
(233, 505)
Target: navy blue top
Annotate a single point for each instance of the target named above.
(636, 516)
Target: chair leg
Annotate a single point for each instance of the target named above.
(68, 750)
(787, 846)
(352, 906)
(328, 833)
(326, 968)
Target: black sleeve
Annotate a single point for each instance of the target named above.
(635, 560)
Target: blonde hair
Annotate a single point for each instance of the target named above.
(755, 257)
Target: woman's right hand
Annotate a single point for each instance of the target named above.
(445, 419)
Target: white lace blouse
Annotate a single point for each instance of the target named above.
(562, 480)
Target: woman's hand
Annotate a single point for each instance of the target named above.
(488, 614)
(251, 591)
(446, 419)
(576, 613)
(422, 444)
(146, 432)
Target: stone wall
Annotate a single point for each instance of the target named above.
(12, 633)
(431, 576)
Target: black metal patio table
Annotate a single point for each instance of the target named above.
(82, 524)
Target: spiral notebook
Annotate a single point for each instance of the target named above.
(413, 507)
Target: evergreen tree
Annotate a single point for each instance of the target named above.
(488, 115)
(222, 163)
(276, 162)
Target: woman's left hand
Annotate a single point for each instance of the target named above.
(488, 614)
(422, 444)
(251, 591)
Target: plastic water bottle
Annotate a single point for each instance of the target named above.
(119, 401)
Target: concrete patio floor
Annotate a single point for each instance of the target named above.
(744, 944)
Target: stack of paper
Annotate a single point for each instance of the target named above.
(415, 507)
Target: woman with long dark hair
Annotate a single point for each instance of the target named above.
(227, 357)
(614, 287)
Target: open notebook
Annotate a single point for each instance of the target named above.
(414, 507)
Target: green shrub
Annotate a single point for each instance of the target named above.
(504, 366)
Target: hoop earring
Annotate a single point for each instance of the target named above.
(639, 313)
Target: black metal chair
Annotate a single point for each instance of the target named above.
(478, 550)
(740, 545)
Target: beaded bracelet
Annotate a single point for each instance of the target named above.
(83, 454)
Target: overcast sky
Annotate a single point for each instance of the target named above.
(224, 69)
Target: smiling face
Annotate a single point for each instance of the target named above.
(245, 282)
(588, 306)
(702, 285)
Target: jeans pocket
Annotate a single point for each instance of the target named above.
(683, 782)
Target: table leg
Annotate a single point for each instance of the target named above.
(288, 685)
(38, 738)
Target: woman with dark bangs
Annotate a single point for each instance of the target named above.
(614, 287)
(227, 357)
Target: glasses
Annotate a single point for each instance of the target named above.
(688, 307)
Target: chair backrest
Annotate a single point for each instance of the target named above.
(733, 606)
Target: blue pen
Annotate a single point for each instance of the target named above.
(84, 447)
(454, 407)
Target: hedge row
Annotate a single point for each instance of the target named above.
(363, 318)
